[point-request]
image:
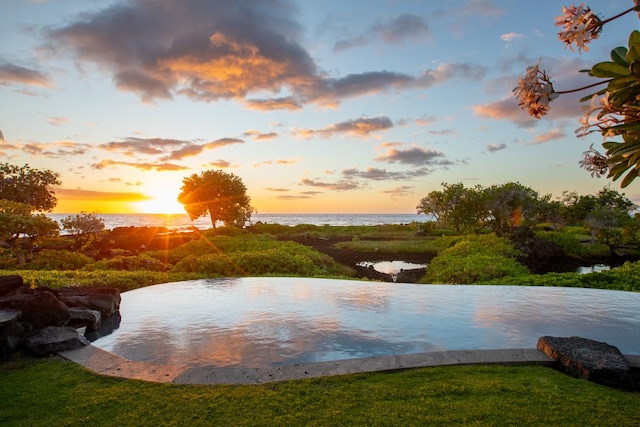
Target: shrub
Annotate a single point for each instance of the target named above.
(567, 241)
(474, 259)
(50, 259)
(129, 263)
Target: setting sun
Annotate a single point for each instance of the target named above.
(165, 203)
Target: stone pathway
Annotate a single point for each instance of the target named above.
(105, 363)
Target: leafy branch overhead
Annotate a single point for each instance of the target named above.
(614, 110)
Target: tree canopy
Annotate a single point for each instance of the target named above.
(33, 187)
(221, 195)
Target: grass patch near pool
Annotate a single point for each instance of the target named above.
(56, 392)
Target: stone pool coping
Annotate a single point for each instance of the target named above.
(105, 363)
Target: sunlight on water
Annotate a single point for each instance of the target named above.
(259, 322)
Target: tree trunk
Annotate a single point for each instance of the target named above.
(213, 219)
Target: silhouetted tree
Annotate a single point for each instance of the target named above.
(30, 186)
(221, 195)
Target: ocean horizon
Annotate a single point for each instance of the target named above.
(182, 222)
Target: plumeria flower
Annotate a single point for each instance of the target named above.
(607, 116)
(535, 92)
(595, 162)
(580, 26)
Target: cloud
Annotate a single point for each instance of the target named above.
(211, 50)
(415, 155)
(286, 103)
(360, 127)
(56, 149)
(279, 190)
(160, 167)
(276, 162)
(398, 192)
(173, 149)
(425, 120)
(492, 148)
(57, 121)
(509, 37)
(376, 174)
(106, 196)
(259, 136)
(396, 30)
(343, 185)
(220, 164)
(444, 132)
(552, 135)
(11, 74)
(293, 197)
(505, 109)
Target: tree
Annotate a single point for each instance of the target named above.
(84, 228)
(30, 186)
(455, 206)
(511, 205)
(222, 195)
(18, 225)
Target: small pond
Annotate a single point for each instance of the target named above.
(392, 268)
(269, 321)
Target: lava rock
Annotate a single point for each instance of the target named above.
(39, 309)
(588, 359)
(53, 339)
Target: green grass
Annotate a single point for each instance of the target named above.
(52, 392)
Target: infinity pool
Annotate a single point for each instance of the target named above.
(262, 322)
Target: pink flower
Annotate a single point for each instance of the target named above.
(580, 26)
(535, 92)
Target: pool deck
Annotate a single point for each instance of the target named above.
(105, 363)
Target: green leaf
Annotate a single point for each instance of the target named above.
(619, 56)
(629, 178)
(609, 69)
(634, 38)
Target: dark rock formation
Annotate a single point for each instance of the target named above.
(591, 360)
(84, 317)
(105, 300)
(42, 320)
(53, 339)
(39, 309)
(11, 331)
(12, 285)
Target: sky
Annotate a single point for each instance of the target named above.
(338, 106)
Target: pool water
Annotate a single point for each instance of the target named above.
(270, 321)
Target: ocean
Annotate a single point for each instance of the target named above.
(181, 222)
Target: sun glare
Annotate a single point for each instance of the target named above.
(160, 204)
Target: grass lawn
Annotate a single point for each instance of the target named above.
(53, 392)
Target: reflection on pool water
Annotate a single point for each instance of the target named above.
(261, 322)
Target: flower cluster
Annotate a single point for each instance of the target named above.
(607, 116)
(580, 26)
(535, 91)
(595, 162)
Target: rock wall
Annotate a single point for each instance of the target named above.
(43, 321)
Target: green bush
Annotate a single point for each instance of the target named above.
(284, 258)
(567, 241)
(121, 280)
(624, 278)
(473, 259)
(214, 265)
(50, 259)
(141, 262)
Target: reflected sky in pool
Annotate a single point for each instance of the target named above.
(269, 321)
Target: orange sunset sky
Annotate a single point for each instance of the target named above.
(320, 107)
